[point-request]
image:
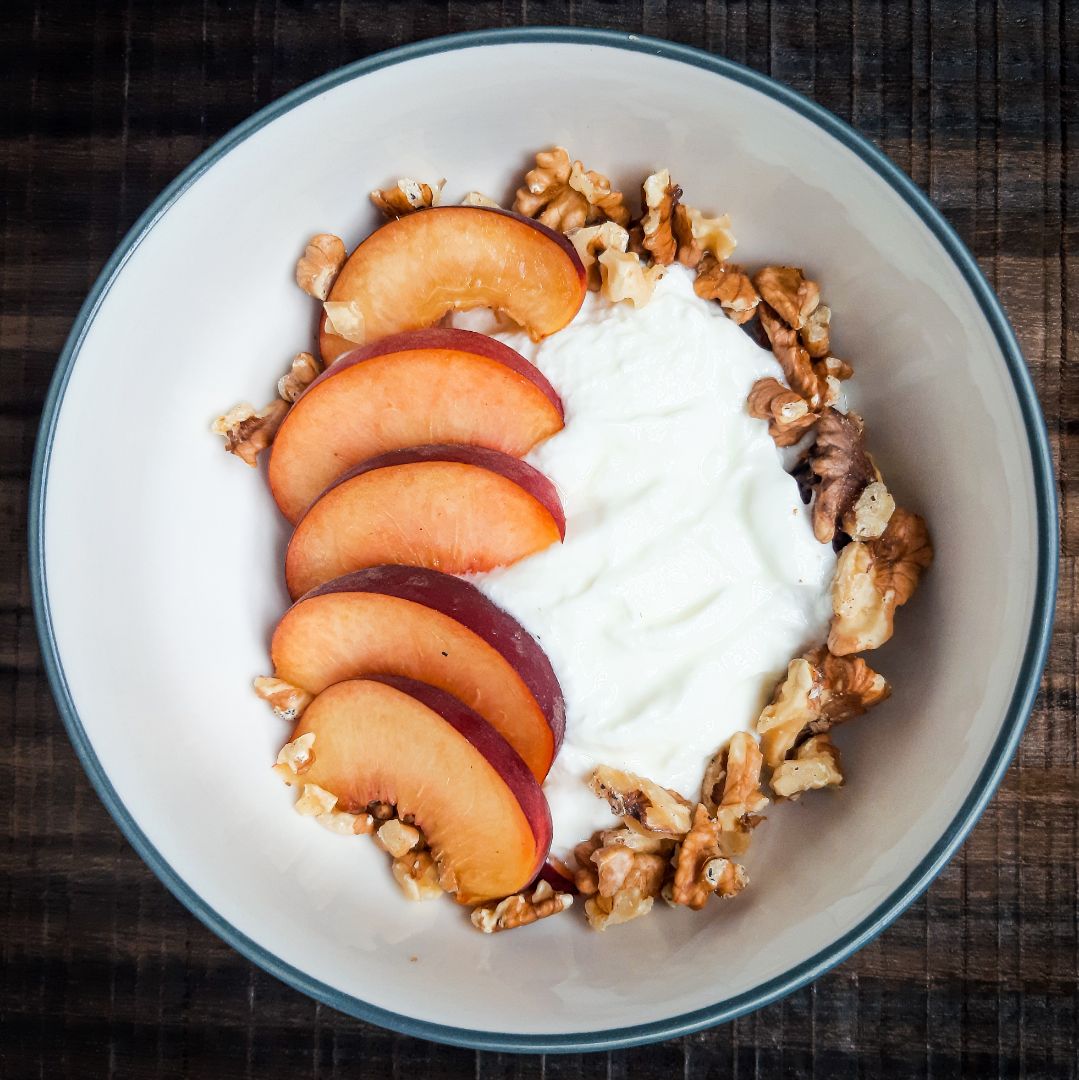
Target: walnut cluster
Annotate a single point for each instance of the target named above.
(560, 193)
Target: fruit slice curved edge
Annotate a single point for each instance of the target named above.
(438, 629)
(458, 509)
(439, 385)
(412, 271)
(403, 742)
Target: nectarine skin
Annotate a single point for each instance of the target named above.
(438, 385)
(410, 272)
(459, 509)
(399, 741)
(409, 621)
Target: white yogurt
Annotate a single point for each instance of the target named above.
(689, 575)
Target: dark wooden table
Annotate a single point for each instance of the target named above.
(102, 973)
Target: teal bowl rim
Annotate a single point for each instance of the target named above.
(1027, 683)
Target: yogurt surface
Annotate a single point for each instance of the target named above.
(689, 575)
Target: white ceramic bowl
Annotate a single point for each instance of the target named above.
(156, 558)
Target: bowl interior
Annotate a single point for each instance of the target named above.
(163, 555)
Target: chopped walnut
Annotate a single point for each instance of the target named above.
(701, 866)
(793, 358)
(397, 838)
(248, 431)
(591, 241)
(832, 365)
(660, 198)
(561, 194)
(296, 757)
(619, 868)
(345, 318)
(477, 198)
(819, 691)
(787, 413)
(286, 700)
(874, 578)
(636, 837)
(320, 264)
(656, 808)
(816, 764)
(521, 909)
(315, 801)
(406, 197)
(845, 470)
(730, 792)
(791, 295)
(862, 612)
(795, 703)
(815, 332)
(699, 847)
(604, 911)
(697, 236)
(729, 285)
(303, 372)
(603, 202)
(418, 876)
(344, 824)
(871, 512)
(624, 277)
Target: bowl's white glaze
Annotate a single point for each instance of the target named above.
(157, 558)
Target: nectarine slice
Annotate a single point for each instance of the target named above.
(459, 509)
(406, 743)
(412, 271)
(439, 385)
(404, 620)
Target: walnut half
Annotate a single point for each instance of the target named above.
(320, 264)
(788, 415)
(872, 579)
(851, 493)
(248, 431)
(521, 909)
(729, 285)
(819, 691)
(658, 809)
(561, 194)
(701, 868)
(816, 764)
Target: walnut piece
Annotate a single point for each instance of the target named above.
(697, 236)
(797, 366)
(520, 909)
(418, 876)
(295, 758)
(624, 277)
(657, 808)
(406, 197)
(816, 764)
(815, 332)
(787, 413)
(248, 431)
(286, 700)
(790, 294)
(701, 868)
(819, 691)
(795, 703)
(739, 808)
(345, 318)
(729, 285)
(319, 265)
(660, 199)
(561, 194)
(874, 578)
(314, 801)
(303, 372)
(591, 241)
(604, 911)
(845, 470)
(397, 838)
(477, 198)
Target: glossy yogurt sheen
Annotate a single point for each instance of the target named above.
(689, 575)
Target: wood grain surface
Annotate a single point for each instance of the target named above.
(102, 973)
